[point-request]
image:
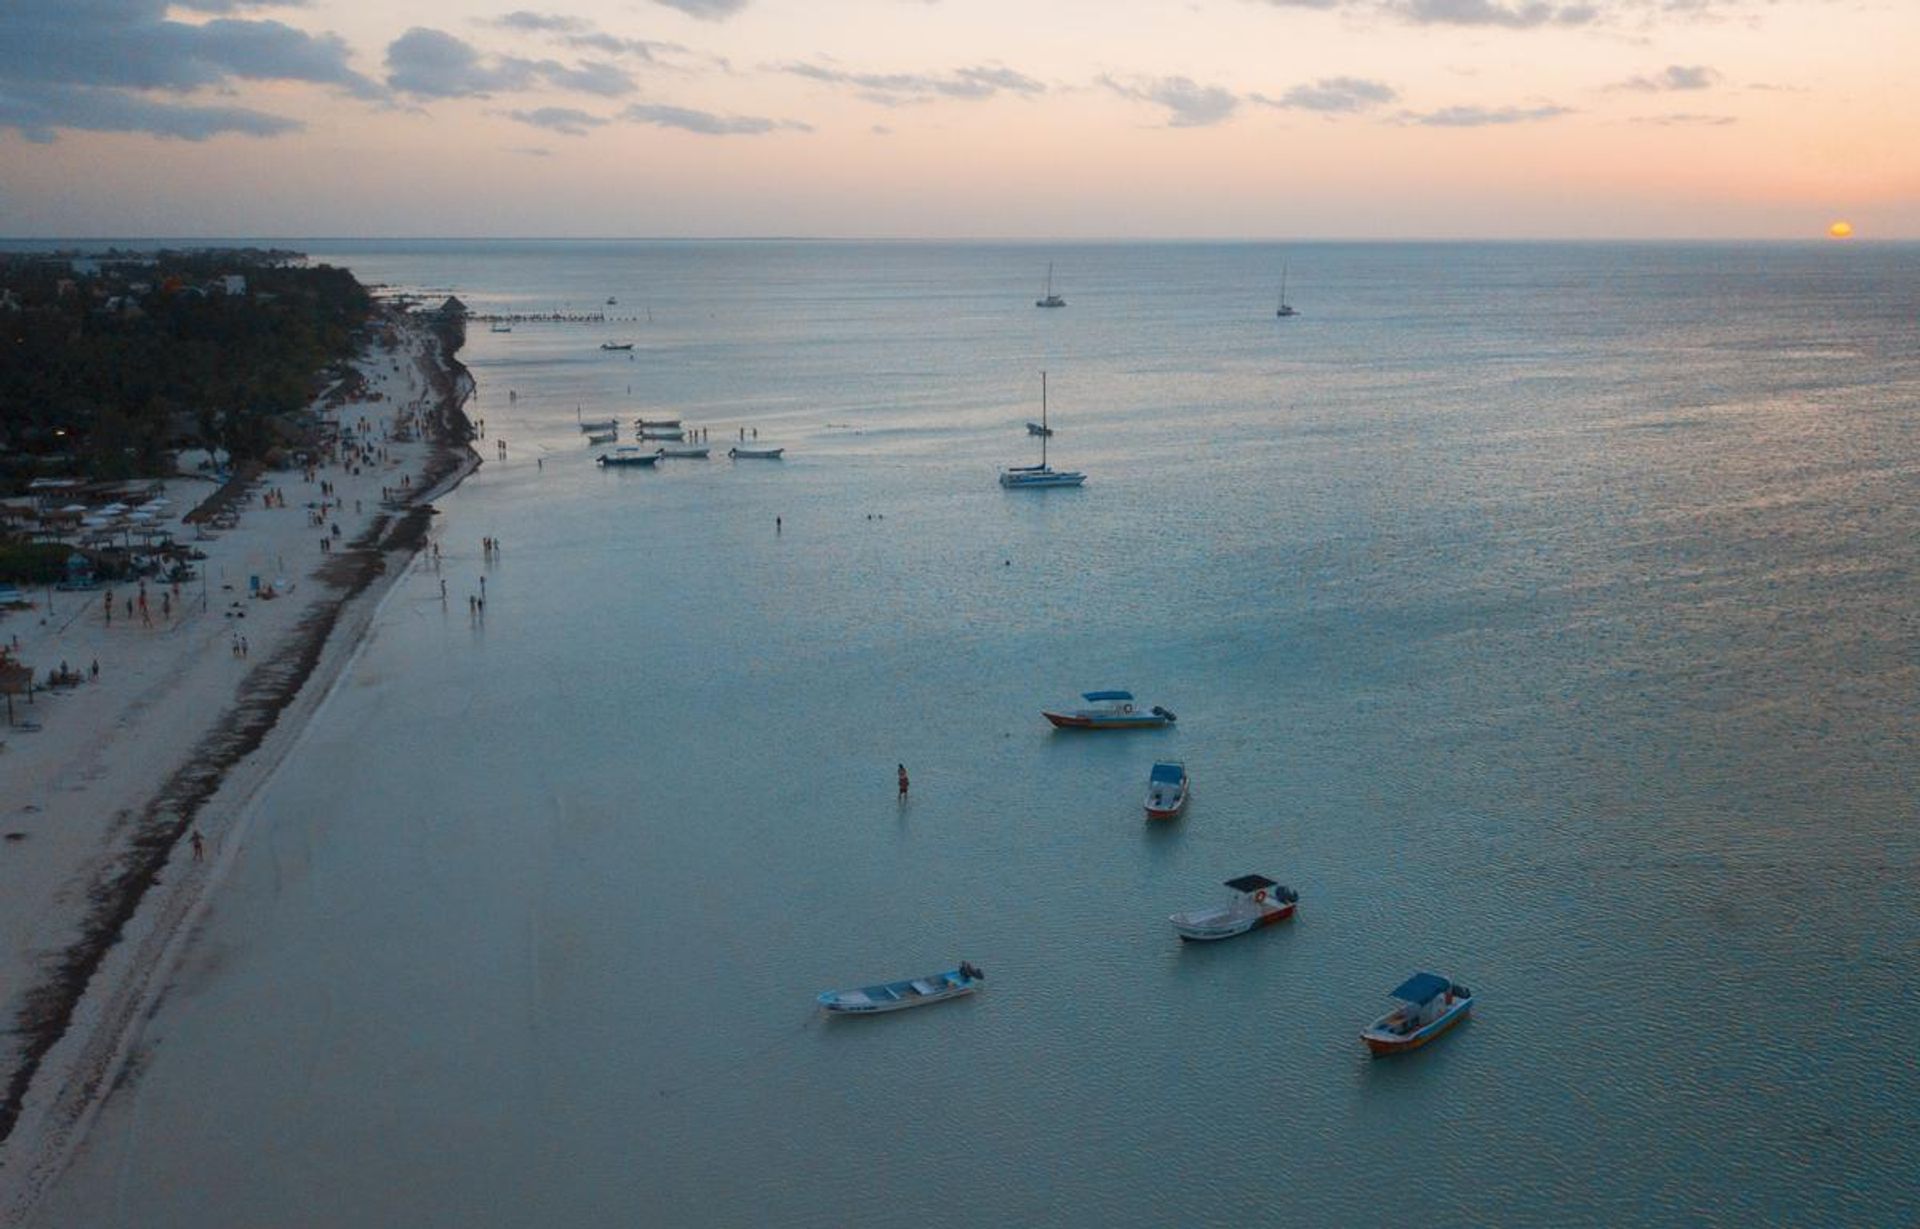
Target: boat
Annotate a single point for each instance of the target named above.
(1166, 789)
(616, 345)
(1285, 308)
(661, 433)
(599, 424)
(755, 454)
(656, 424)
(1256, 901)
(1034, 428)
(613, 302)
(1429, 1005)
(1021, 477)
(628, 455)
(602, 437)
(697, 452)
(900, 995)
(500, 326)
(1109, 710)
(1048, 298)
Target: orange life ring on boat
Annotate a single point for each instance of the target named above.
(1260, 897)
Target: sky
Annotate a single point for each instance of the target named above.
(1258, 119)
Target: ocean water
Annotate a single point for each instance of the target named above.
(1544, 613)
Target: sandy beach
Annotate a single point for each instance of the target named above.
(123, 805)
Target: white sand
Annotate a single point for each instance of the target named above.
(107, 747)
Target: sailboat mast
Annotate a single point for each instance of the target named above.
(1043, 398)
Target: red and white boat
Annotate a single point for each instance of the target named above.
(1109, 710)
(1256, 901)
(1166, 789)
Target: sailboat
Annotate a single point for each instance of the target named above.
(1285, 308)
(1023, 476)
(1050, 299)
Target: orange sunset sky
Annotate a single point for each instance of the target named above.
(1047, 118)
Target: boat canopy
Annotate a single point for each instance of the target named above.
(1096, 696)
(1422, 987)
(1168, 772)
(1251, 883)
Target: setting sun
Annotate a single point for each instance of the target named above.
(1841, 230)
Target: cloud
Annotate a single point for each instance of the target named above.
(566, 120)
(660, 115)
(706, 10)
(896, 89)
(1189, 105)
(1332, 96)
(1482, 117)
(1510, 14)
(101, 58)
(1673, 77)
(93, 109)
(1683, 119)
(540, 23)
(435, 64)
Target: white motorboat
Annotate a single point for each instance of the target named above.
(1256, 901)
(602, 437)
(1166, 789)
(755, 454)
(1429, 1005)
(696, 452)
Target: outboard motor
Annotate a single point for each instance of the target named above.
(1161, 712)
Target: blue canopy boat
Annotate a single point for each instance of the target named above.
(1109, 710)
(900, 995)
(1166, 789)
(1429, 1005)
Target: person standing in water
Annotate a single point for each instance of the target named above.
(903, 782)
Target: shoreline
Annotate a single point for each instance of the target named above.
(77, 1023)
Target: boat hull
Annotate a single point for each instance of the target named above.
(1169, 811)
(626, 462)
(900, 995)
(1213, 933)
(1102, 721)
(1381, 1041)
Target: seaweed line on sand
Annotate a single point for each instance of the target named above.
(49, 1009)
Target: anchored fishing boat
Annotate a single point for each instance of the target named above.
(661, 433)
(1429, 1005)
(616, 345)
(1109, 710)
(899, 995)
(1256, 901)
(755, 454)
(1166, 789)
(602, 437)
(599, 424)
(698, 452)
(628, 456)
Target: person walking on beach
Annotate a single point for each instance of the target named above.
(109, 608)
(903, 782)
(199, 846)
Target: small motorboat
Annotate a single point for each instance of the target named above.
(499, 326)
(900, 995)
(1110, 710)
(1256, 901)
(698, 453)
(656, 424)
(755, 454)
(661, 433)
(1034, 428)
(616, 345)
(603, 437)
(629, 456)
(1429, 1005)
(599, 424)
(1166, 789)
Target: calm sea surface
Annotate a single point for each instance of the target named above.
(1544, 613)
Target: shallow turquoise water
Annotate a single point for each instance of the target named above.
(1543, 613)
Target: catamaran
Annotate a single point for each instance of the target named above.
(1020, 477)
(1286, 309)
